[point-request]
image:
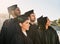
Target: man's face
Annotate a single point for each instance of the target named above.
(17, 12)
(32, 17)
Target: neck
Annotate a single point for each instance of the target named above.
(46, 27)
(32, 23)
(14, 16)
(23, 30)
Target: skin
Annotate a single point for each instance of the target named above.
(32, 18)
(48, 23)
(16, 12)
(25, 25)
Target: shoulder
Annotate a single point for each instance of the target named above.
(17, 39)
(6, 24)
(53, 30)
(7, 21)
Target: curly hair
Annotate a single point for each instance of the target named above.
(42, 22)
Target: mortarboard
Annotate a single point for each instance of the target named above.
(28, 13)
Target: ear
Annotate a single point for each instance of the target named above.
(20, 24)
(29, 18)
(12, 11)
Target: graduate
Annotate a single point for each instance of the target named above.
(46, 34)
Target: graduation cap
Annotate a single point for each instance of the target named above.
(39, 20)
(28, 13)
(13, 7)
(10, 8)
(42, 21)
(21, 19)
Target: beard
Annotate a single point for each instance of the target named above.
(32, 20)
(16, 14)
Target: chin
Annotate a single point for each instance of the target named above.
(27, 29)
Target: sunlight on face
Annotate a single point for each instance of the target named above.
(32, 17)
(17, 12)
(25, 25)
(48, 22)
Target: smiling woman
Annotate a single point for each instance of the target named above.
(23, 23)
(15, 33)
(50, 8)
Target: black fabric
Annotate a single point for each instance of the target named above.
(47, 37)
(7, 31)
(11, 34)
(20, 36)
(28, 13)
(32, 32)
(21, 18)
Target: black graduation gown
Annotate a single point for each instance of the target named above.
(11, 34)
(32, 28)
(20, 38)
(47, 36)
(31, 31)
(7, 31)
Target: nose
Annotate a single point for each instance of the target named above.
(29, 25)
(19, 12)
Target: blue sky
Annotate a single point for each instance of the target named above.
(50, 8)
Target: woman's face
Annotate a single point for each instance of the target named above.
(25, 25)
(48, 22)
